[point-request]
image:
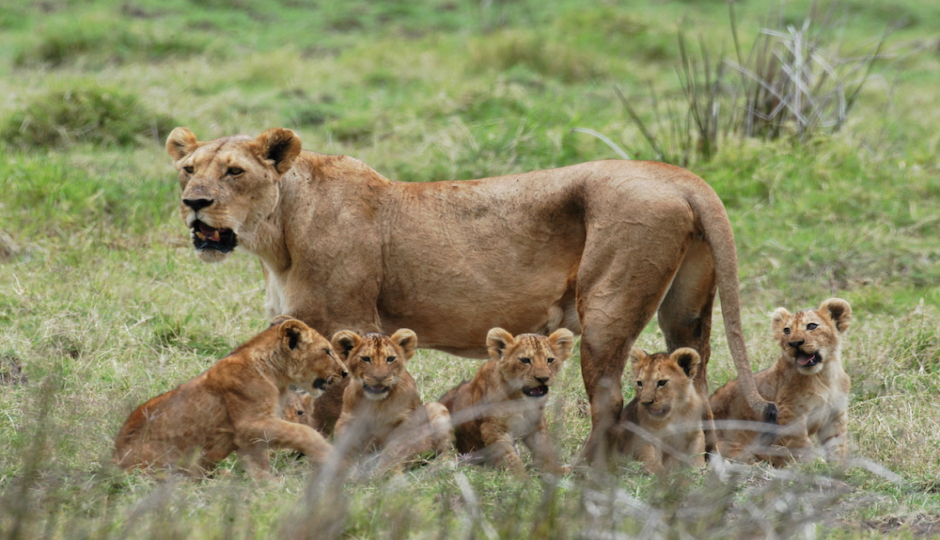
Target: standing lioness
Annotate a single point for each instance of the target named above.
(594, 248)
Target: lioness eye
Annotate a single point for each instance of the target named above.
(525, 360)
(189, 169)
(391, 359)
(234, 171)
(811, 326)
(786, 331)
(661, 383)
(550, 360)
(366, 359)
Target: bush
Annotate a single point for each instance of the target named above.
(96, 115)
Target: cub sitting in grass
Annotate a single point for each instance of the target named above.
(382, 411)
(808, 385)
(233, 407)
(662, 425)
(505, 401)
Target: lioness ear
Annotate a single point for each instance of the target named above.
(291, 332)
(497, 341)
(407, 340)
(345, 341)
(687, 359)
(637, 355)
(839, 311)
(562, 341)
(280, 146)
(279, 319)
(181, 143)
(779, 320)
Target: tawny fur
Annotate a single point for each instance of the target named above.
(505, 401)
(662, 425)
(297, 406)
(807, 383)
(593, 248)
(382, 411)
(233, 407)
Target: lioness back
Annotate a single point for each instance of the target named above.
(662, 425)
(505, 400)
(808, 384)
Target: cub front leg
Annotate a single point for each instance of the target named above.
(793, 442)
(499, 448)
(281, 433)
(834, 440)
(543, 452)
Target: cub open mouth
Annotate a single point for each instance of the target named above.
(206, 237)
(536, 391)
(377, 389)
(805, 360)
(321, 384)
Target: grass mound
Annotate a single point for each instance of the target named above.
(96, 115)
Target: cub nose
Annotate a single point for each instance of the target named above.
(797, 344)
(542, 380)
(198, 204)
(344, 373)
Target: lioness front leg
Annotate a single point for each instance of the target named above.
(499, 448)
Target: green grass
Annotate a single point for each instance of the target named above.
(103, 304)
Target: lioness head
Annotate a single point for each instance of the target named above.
(529, 362)
(377, 362)
(306, 356)
(230, 185)
(810, 338)
(664, 381)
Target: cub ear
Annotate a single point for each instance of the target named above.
(292, 333)
(778, 320)
(407, 340)
(497, 341)
(562, 341)
(181, 143)
(279, 146)
(637, 355)
(687, 359)
(839, 311)
(345, 341)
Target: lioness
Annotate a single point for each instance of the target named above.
(662, 425)
(808, 384)
(505, 400)
(381, 408)
(594, 248)
(233, 407)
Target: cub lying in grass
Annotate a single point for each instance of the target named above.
(808, 385)
(381, 408)
(505, 400)
(662, 425)
(233, 407)
(297, 406)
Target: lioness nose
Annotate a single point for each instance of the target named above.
(198, 204)
(796, 344)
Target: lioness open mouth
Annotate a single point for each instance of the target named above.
(805, 360)
(536, 391)
(206, 237)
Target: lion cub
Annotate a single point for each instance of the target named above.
(233, 406)
(662, 425)
(807, 383)
(505, 401)
(381, 408)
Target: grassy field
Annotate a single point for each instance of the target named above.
(103, 304)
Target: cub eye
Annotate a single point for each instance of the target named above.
(391, 359)
(189, 169)
(234, 171)
(525, 360)
(661, 383)
(328, 352)
(366, 359)
(300, 413)
(550, 360)
(639, 384)
(786, 331)
(811, 326)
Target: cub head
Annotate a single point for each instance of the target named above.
(297, 407)
(811, 338)
(664, 381)
(529, 362)
(230, 185)
(306, 356)
(377, 362)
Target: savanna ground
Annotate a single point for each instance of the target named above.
(102, 303)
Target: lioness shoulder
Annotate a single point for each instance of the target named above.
(382, 410)
(233, 406)
(807, 383)
(505, 401)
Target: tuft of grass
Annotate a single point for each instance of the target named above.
(508, 49)
(88, 113)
